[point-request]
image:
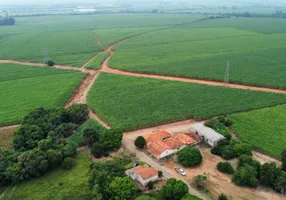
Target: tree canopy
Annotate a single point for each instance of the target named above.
(190, 156)
(174, 189)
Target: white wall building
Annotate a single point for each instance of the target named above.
(143, 175)
(210, 136)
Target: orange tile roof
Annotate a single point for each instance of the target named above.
(158, 147)
(173, 143)
(184, 138)
(145, 172)
(156, 136)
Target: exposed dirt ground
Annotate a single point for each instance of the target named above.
(6, 136)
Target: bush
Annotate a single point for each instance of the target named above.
(174, 189)
(269, 174)
(200, 181)
(68, 163)
(190, 156)
(160, 174)
(246, 176)
(78, 113)
(246, 159)
(242, 148)
(191, 197)
(150, 185)
(50, 63)
(228, 152)
(222, 197)
(225, 167)
(140, 142)
(97, 150)
(284, 160)
(219, 125)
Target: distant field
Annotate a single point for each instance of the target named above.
(110, 36)
(97, 62)
(203, 53)
(58, 184)
(33, 87)
(260, 25)
(68, 47)
(132, 102)
(264, 129)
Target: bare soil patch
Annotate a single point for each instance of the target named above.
(6, 136)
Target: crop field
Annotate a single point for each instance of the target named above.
(202, 53)
(265, 129)
(97, 62)
(260, 25)
(68, 47)
(133, 102)
(110, 36)
(33, 87)
(58, 184)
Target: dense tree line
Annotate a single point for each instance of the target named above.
(6, 20)
(40, 143)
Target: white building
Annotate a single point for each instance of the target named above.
(210, 136)
(143, 175)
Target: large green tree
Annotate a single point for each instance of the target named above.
(122, 189)
(190, 156)
(269, 174)
(174, 189)
(280, 184)
(245, 176)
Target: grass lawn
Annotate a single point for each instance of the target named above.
(255, 58)
(57, 184)
(265, 129)
(97, 62)
(31, 88)
(132, 102)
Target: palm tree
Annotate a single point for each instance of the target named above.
(281, 183)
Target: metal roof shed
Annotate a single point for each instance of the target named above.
(209, 135)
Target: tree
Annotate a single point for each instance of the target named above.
(284, 160)
(190, 156)
(200, 181)
(15, 173)
(246, 176)
(222, 197)
(246, 159)
(91, 135)
(111, 139)
(228, 152)
(191, 197)
(145, 197)
(97, 150)
(140, 142)
(78, 113)
(68, 163)
(174, 189)
(225, 167)
(150, 185)
(269, 174)
(54, 157)
(280, 184)
(242, 148)
(122, 188)
(50, 63)
(160, 174)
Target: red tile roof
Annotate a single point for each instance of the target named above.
(145, 172)
(158, 147)
(184, 138)
(173, 143)
(156, 136)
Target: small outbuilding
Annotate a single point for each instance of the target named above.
(143, 174)
(209, 135)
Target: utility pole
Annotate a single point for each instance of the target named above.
(226, 76)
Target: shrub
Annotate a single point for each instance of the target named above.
(190, 156)
(228, 152)
(222, 197)
(284, 160)
(245, 176)
(218, 124)
(246, 159)
(242, 148)
(50, 63)
(97, 149)
(68, 163)
(225, 167)
(200, 181)
(78, 113)
(160, 174)
(269, 174)
(140, 142)
(191, 197)
(174, 189)
(150, 185)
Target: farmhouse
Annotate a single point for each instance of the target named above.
(210, 136)
(162, 144)
(142, 174)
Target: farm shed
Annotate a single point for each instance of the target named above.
(210, 136)
(142, 174)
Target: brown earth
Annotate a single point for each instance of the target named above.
(6, 136)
